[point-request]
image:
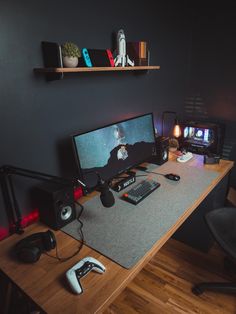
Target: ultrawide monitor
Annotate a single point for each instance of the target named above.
(114, 149)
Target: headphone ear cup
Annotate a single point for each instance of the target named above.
(30, 248)
(48, 240)
(29, 254)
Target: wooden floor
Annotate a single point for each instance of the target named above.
(164, 285)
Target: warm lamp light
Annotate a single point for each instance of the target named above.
(174, 144)
(176, 130)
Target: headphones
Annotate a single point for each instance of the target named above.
(30, 248)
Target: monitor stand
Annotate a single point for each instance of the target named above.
(123, 182)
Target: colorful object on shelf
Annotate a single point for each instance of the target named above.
(138, 52)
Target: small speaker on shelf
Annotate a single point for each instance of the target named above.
(56, 204)
(161, 154)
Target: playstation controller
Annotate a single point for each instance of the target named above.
(81, 269)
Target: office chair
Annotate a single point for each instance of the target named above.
(222, 224)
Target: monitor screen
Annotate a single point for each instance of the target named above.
(199, 135)
(113, 149)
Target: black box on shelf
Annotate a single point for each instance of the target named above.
(52, 58)
(99, 57)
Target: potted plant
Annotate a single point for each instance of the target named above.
(173, 144)
(71, 54)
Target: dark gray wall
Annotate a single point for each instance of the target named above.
(213, 59)
(213, 68)
(37, 117)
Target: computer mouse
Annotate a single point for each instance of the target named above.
(172, 176)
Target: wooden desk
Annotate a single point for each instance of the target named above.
(44, 282)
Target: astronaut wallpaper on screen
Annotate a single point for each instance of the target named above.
(112, 149)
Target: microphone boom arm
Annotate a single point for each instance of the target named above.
(7, 171)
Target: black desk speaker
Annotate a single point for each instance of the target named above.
(161, 154)
(56, 205)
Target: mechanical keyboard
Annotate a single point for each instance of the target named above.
(140, 191)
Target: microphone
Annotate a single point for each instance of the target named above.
(106, 195)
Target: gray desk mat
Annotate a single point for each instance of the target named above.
(126, 232)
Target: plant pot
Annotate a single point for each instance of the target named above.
(70, 62)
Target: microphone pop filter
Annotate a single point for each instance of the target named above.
(107, 199)
(106, 196)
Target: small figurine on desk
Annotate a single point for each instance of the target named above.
(122, 59)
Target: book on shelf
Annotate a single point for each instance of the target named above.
(138, 52)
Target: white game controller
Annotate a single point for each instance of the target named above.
(81, 269)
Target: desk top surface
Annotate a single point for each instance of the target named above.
(45, 283)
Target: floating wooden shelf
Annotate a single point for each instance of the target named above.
(96, 69)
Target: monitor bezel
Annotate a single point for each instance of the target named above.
(80, 171)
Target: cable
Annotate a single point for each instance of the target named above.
(161, 174)
(64, 259)
(145, 170)
(139, 175)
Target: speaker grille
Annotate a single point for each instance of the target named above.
(65, 212)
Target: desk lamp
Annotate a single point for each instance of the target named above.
(173, 142)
